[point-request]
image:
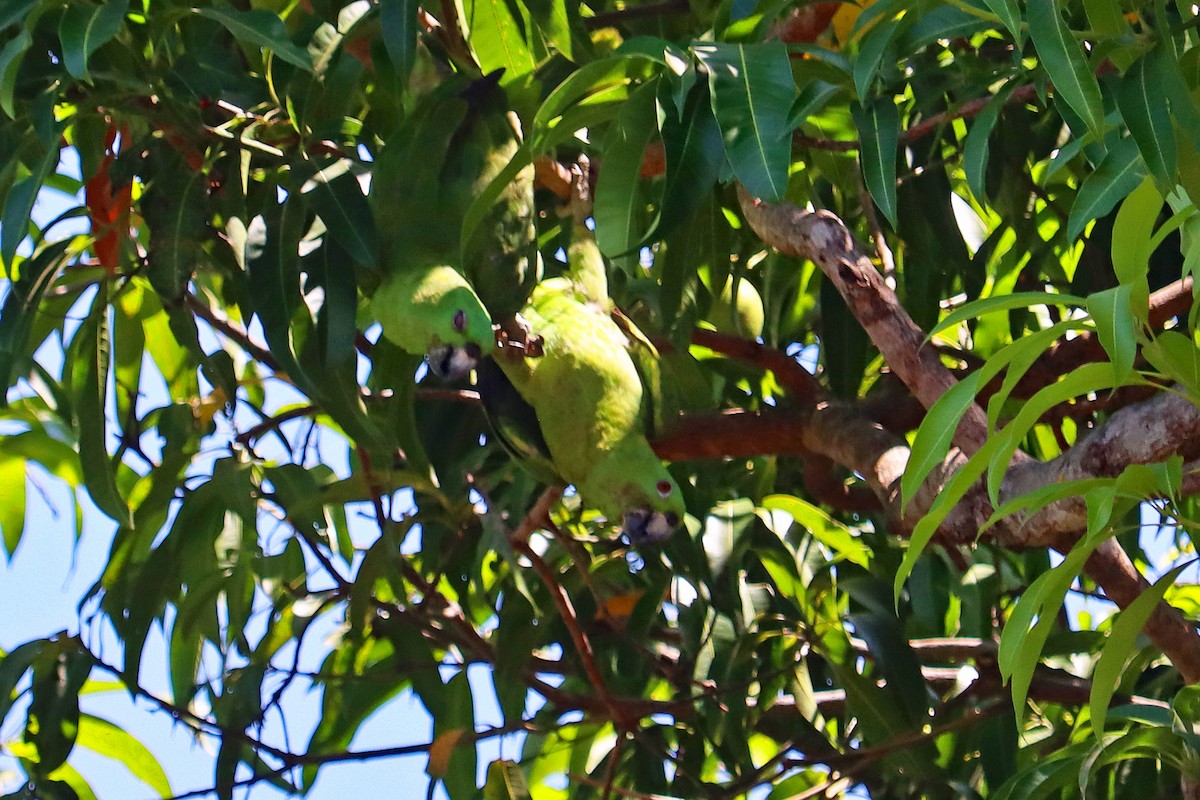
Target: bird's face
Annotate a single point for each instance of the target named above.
(464, 335)
(657, 516)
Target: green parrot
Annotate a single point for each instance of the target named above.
(576, 407)
(438, 289)
(436, 312)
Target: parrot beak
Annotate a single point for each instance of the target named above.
(644, 526)
(448, 362)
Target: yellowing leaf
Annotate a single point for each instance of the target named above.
(443, 748)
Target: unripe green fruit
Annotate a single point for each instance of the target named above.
(741, 318)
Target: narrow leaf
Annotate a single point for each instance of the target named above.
(1139, 96)
(1119, 645)
(90, 351)
(85, 28)
(879, 131)
(260, 29)
(1117, 175)
(618, 202)
(752, 90)
(1066, 63)
(103, 737)
(1115, 325)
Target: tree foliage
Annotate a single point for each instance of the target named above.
(971, 227)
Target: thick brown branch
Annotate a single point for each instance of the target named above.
(822, 238)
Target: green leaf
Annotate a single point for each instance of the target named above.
(1177, 357)
(1080, 381)
(103, 737)
(13, 667)
(875, 45)
(1005, 302)
(1066, 64)
(11, 56)
(752, 90)
(879, 133)
(12, 501)
(1116, 176)
(618, 202)
(1020, 645)
(496, 37)
(598, 83)
(260, 29)
(1140, 98)
(1133, 233)
(1117, 328)
(1120, 642)
(338, 199)
(934, 436)
(695, 153)
(977, 145)
(824, 528)
(85, 28)
(399, 21)
(20, 310)
(505, 781)
(90, 355)
(1010, 14)
(53, 714)
(18, 207)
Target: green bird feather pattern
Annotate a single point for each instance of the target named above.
(587, 398)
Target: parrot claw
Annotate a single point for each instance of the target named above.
(644, 526)
(516, 334)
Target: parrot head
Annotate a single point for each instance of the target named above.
(637, 488)
(436, 312)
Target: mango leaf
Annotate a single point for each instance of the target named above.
(618, 203)
(1004, 302)
(18, 206)
(53, 725)
(1080, 381)
(103, 737)
(85, 28)
(752, 89)
(694, 152)
(602, 81)
(1066, 64)
(12, 501)
(1177, 357)
(824, 528)
(879, 133)
(1117, 328)
(11, 56)
(338, 199)
(934, 436)
(1139, 96)
(20, 311)
(1116, 176)
(399, 21)
(496, 36)
(976, 148)
(1010, 14)
(505, 781)
(1133, 233)
(260, 28)
(1021, 646)
(89, 381)
(1121, 639)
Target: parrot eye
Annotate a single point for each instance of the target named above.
(664, 489)
(460, 320)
